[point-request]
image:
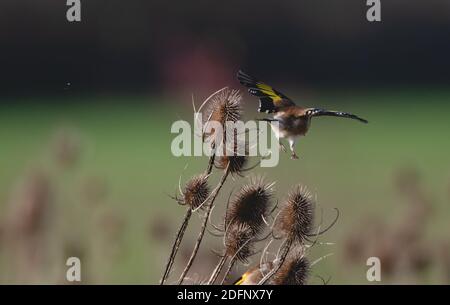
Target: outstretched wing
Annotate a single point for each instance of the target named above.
(270, 100)
(323, 112)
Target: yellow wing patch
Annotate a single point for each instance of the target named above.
(241, 280)
(270, 92)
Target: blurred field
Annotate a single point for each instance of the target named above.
(123, 230)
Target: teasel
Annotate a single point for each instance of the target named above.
(238, 241)
(243, 222)
(235, 163)
(295, 222)
(224, 105)
(251, 205)
(194, 195)
(294, 271)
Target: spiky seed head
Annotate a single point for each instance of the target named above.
(294, 271)
(225, 106)
(239, 240)
(235, 156)
(296, 218)
(196, 191)
(251, 205)
(236, 163)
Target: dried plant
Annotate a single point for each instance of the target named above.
(251, 205)
(248, 212)
(225, 106)
(194, 195)
(295, 220)
(238, 241)
(294, 271)
(243, 222)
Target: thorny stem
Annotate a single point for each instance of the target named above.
(217, 270)
(210, 164)
(182, 230)
(230, 266)
(204, 224)
(283, 256)
(176, 245)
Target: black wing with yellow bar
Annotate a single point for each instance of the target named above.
(270, 99)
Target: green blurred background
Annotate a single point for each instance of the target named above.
(85, 116)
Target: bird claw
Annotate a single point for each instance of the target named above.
(294, 156)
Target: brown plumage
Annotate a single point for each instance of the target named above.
(289, 120)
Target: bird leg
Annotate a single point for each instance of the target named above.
(291, 146)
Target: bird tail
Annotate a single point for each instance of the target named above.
(324, 112)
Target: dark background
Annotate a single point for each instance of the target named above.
(141, 46)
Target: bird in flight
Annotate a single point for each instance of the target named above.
(293, 121)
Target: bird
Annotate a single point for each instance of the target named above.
(293, 120)
(254, 275)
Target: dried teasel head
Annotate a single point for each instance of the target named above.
(235, 164)
(224, 106)
(239, 240)
(296, 217)
(294, 271)
(234, 157)
(251, 205)
(196, 192)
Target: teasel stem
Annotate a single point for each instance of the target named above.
(211, 161)
(204, 224)
(217, 270)
(182, 229)
(176, 245)
(284, 253)
(227, 272)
